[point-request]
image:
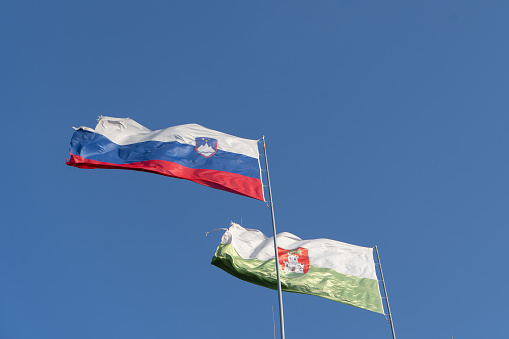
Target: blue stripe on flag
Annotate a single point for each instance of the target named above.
(97, 147)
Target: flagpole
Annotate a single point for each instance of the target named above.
(279, 291)
(385, 293)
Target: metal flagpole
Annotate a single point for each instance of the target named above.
(279, 291)
(385, 292)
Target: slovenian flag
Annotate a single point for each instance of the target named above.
(191, 152)
(326, 268)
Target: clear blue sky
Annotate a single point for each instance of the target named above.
(386, 124)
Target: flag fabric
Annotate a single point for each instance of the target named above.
(190, 151)
(326, 268)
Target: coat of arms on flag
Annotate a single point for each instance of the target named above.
(294, 263)
(192, 152)
(206, 146)
(323, 267)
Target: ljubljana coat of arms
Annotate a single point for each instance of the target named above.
(294, 263)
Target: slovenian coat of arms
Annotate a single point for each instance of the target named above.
(206, 147)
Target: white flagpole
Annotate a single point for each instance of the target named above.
(279, 291)
(385, 293)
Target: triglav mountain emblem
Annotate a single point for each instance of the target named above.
(206, 146)
(294, 263)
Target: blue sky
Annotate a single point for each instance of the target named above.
(385, 122)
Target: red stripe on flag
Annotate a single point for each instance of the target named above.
(225, 181)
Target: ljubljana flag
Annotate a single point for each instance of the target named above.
(190, 151)
(326, 268)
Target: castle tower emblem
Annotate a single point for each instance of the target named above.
(294, 263)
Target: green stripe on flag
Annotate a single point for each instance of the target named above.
(322, 282)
